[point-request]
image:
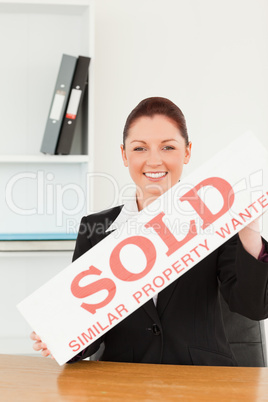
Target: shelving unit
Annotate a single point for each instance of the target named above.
(44, 159)
(36, 34)
(43, 193)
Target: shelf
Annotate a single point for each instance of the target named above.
(77, 3)
(44, 158)
(57, 7)
(31, 254)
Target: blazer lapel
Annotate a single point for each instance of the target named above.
(99, 237)
(150, 309)
(164, 297)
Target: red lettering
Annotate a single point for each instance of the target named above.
(262, 202)
(196, 252)
(146, 289)
(247, 215)
(167, 273)
(176, 267)
(121, 308)
(88, 290)
(111, 318)
(74, 346)
(224, 231)
(186, 258)
(205, 245)
(137, 296)
(252, 205)
(81, 340)
(235, 223)
(120, 271)
(102, 329)
(200, 207)
(162, 281)
(165, 234)
(96, 329)
(90, 335)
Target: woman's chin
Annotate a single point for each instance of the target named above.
(152, 195)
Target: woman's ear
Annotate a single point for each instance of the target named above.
(124, 157)
(188, 153)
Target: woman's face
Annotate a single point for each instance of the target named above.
(155, 153)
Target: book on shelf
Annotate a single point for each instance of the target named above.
(78, 88)
(58, 104)
(37, 241)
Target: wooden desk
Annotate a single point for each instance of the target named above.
(41, 379)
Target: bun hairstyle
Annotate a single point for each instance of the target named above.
(150, 107)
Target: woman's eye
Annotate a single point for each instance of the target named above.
(138, 149)
(168, 147)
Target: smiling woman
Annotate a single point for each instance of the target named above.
(182, 324)
(155, 153)
(155, 147)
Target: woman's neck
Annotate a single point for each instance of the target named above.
(144, 202)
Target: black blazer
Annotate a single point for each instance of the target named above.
(186, 326)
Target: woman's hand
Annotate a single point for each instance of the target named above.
(39, 345)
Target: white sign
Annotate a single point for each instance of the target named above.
(163, 242)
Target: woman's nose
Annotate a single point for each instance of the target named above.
(154, 159)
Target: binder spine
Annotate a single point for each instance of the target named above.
(80, 81)
(58, 104)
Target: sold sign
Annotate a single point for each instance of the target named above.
(147, 246)
(126, 269)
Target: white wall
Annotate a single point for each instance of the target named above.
(209, 57)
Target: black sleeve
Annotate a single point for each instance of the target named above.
(244, 280)
(83, 244)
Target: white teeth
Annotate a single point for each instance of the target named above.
(155, 175)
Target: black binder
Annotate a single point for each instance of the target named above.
(58, 104)
(80, 81)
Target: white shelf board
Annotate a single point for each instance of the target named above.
(26, 254)
(76, 3)
(44, 158)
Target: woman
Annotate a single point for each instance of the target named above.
(183, 324)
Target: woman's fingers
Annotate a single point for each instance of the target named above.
(43, 347)
(35, 337)
(39, 345)
(45, 352)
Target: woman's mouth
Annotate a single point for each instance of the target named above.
(155, 176)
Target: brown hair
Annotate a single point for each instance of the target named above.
(150, 107)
